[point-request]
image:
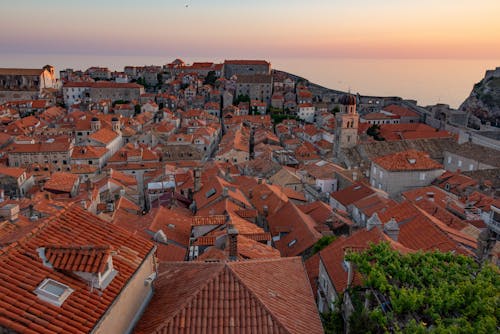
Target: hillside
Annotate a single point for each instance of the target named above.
(484, 100)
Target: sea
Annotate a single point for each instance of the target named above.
(428, 81)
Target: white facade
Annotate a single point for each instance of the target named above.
(306, 113)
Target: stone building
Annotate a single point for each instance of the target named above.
(115, 91)
(51, 152)
(256, 86)
(15, 182)
(246, 67)
(403, 171)
(25, 84)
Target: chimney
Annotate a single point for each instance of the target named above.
(265, 210)
(391, 228)
(225, 192)
(232, 234)
(259, 180)
(197, 179)
(430, 196)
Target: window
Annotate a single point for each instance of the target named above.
(471, 167)
(449, 159)
(53, 292)
(422, 176)
(381, 174)
(459, 163)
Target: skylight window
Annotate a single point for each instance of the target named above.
(53, 292)
(210, 193)
(291, 243)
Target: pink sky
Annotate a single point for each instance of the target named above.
(273, 28)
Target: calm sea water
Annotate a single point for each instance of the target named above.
(428, 81)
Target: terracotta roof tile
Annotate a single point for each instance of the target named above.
(411, 160)
(61, 181)
(352, 194)
(301, 233)
(264, 296)
(89, 259)
(22, 270)
(104, 136)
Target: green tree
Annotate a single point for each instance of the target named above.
(210, 78)
(428, 291)
(137, 109)
(323, 242)
(241, 98)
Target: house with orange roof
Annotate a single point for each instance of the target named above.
(268, 296)
(108, 139)
(344, 199)
(404, 114)
(63, 183)
(56, 151)
(364, 208)
(306, 112)
(287, 177)
(15, 182)
(294, 232)
(235, 145)
(89, 155)
(82, 275)
(456, 183)
(402, 171)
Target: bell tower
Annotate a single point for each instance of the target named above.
(346, 129)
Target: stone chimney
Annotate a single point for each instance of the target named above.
(232, 237)
(391, 228)
(197, 179)
(373, 221)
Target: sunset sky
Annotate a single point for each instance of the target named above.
(265, 28)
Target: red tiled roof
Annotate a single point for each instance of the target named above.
(400, 111)
(104, 136)
(12, 171)
(352, 194)
(22, 270)
(263, 296)
(89, 259)
(301, 228)
(411, 160)
(208, 220)
(88, 152)
(61, 182)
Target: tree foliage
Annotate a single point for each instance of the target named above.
(429, 292)
(323, 242)
(241, 98)
(374, 131)
(210, 78)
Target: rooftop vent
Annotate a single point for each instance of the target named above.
(412, 161)
(160, 236)
(53, 292)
